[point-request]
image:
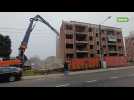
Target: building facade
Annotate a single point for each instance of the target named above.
(82, 40)
(129, 44)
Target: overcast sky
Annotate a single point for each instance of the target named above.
(42, 41)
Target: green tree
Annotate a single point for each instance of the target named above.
(5, 46)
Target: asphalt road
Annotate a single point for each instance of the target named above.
(114, 78)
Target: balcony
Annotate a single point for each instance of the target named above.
(82, 50)
(81, 33)
(119, 37)
(82, 42)
(80, 28)
(69, 50)
(92, 51)
(91, 43)
(69, 31)
(112, 38)
(113, 51)
(121, 53)
(103, 43)
(103, 35)
(97, 39)
(82, 54)
(111, 43)
(91, 33)
(70, 41)
(81, 38)
(97, 48)
(119, 34)
(120, 44)
(105, 49)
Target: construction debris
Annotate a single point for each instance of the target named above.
(50, 63)
(53, 63)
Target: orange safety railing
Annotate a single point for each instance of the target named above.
(9, 62)
(115, 61)
(83, 64)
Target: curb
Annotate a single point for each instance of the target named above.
(102, 70)
(32, 77)
(74, 73)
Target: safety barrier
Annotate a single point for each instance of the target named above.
(115, 61)
(84, 64)
(9, 62)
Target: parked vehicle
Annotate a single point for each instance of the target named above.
(10, 74)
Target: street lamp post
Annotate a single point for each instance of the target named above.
(101, 49)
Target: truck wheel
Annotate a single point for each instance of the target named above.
(12, 78)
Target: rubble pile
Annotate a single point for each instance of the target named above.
(53, 63)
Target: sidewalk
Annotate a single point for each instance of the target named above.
(75, 73)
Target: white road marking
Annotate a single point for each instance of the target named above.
(91, 81)
(41, 79)
(114, 77)
(63, 85)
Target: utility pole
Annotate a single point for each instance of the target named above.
(101, 49)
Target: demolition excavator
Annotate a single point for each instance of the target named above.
(20, 60)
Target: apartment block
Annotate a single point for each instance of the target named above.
(82, 40)
(129, 44)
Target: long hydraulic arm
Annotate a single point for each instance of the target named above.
(24, 43)
(47, 23)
